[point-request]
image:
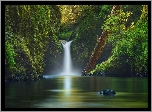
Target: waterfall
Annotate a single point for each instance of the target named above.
(67, 62)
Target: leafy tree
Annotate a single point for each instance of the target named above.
(130, 46)
(30, 29)
(85, 34)
(101, 41)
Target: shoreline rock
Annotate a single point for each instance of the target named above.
(103, 74)
(22, 77)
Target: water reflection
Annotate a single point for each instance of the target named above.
(67, 85)
(77, 92)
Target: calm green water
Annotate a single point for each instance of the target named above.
(77, 92)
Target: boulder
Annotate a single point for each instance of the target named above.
(107, 92)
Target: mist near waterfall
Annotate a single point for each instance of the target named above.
(66, 66)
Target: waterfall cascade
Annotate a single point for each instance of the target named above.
(67, 62)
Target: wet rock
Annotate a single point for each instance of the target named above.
(22, 77)
(107, 92)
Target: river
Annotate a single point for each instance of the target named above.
(77, 92)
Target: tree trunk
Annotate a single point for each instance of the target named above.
(101, 41)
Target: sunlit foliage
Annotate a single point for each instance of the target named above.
(89, 27)
(29, 29)
(32, 34)
(130, 45)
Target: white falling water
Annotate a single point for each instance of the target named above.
(67, 63)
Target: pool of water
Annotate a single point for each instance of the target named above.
(77, 92)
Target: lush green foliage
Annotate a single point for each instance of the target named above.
(89, 27)
(130, 45)
(32, 34)
(30, 29)
(10, 54)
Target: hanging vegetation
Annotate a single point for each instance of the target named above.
(33, 34)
